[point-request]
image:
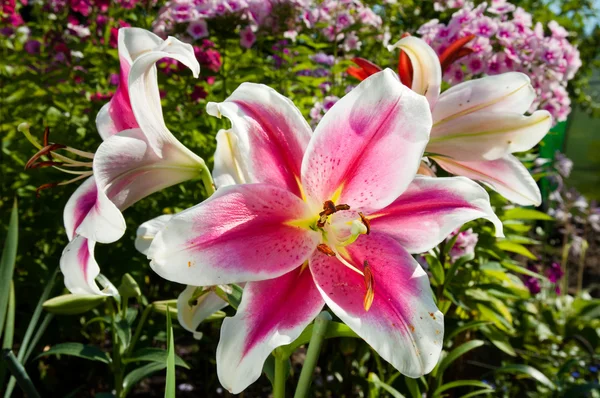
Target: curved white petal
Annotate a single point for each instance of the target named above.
(403, 323)
(79, 267)
(191, 314)
(488, 135)
(147, 231)
(272, 134)
(142, 82)
(506, 175)
(90, 213)
(507, 92)
(368, 146)
(229, 160)
(127, 169)
(272, 313)
(427, 71)
(430, 209)
(105, 123)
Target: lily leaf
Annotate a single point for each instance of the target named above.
(529, 371)
(89, 352)
(152, 354)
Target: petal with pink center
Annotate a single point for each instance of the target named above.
(127, 169)
(427, 71)
(430, 209)
(229, 160)
(272, 313)
(191, 314)
(79, 267)
(368, 146)
(147, 231)
(403, 324)
(507, 92)
(241, 233)
(488, 135)
(90, 213)
(143, 85)
(506, 175)
(272, 134)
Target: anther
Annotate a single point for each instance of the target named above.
(366, 222)
(328, 209)
(369, 284)
(323, 248)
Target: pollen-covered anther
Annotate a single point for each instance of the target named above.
(365, 222)
(369, 285)
(329, 208)
(323, 248)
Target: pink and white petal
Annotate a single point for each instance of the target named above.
(241, 233)
(228, 169)
(190, 316)
(272, 313)
(427, 71)
(105, 123)
(430, 209)
(368, 146)
(403, 324)
(272, 134)
(507, 92)
(90, 213)
(143, 88)
(127, 169)
(79, 267)
(506, 175)
(489, 135)
(147, 231)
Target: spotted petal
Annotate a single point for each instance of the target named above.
(241, 233)
(403, 324)
(430, 209)
(368, 146)
(506, 175)
(271, 134)
(272, 313)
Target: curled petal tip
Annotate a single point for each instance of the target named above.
(212, 108)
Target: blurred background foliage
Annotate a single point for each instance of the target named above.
(516, 343)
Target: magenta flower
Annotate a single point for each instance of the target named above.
(247, 37)
(328, 217)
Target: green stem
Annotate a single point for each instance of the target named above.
(139, 328)
(20, 374)
(207, 181)
(116, 359)
(312, 355)
(280, 375)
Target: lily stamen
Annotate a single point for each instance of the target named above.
(329, 208)
(369, 284)
(323, 248)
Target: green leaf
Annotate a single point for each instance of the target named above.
(515, 248)
(479, 392)
(7, 263)
(460, 383)
(499, 339)
(455, 354)
(413, 387)
(467, 326)
(437, 269)
(133, 377)
(335, 329)
(529, 371)
(152, 354)
(233, 295)
(521, 270)
(519, 213)
(123, 331)
(73, 304)
(89, 352)
(9, 327)
(374, 379)
(170, 382)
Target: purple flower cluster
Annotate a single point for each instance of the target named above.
(464, 245)
(554, 273)
(334, 18)
(507, 40)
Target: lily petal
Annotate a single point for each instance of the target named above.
(272, 313)
(127, 169)
(91, 214)
(79, 267)
(228, 169)
(364, 69)
(272, 134)
(488, 135)
(506, 175)
(430, 209)
(190, 316)
(427, 72)
(147, 231)
(241, 233)
(368, 145)
(507, 92)
(142, 81)
(402, 324)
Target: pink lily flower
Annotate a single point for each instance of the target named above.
(327, 218)
(139, 156)
(478, 124)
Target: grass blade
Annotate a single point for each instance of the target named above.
(20, 374)
(170, 382)
(7, 263)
